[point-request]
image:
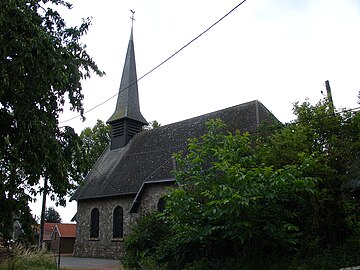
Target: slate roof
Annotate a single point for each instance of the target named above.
(127, 105)
(148, 156)
(350, 184)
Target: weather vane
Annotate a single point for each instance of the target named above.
(132, 17)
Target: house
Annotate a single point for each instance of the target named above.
(63, 238)
(48, 230)
(132, 174)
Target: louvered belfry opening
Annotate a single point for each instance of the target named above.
(118, 129)
(122, 131)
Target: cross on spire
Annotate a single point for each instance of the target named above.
(132, 17)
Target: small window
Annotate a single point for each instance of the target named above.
(118, 222)
(94, 223)
(161, 204)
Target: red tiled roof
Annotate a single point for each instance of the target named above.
(66, 229)
(48, 229)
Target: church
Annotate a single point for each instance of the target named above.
(132, 174)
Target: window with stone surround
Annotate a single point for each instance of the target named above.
(94, 223)
(118, 222)
(161, 204)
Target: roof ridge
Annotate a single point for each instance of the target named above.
(207, 114)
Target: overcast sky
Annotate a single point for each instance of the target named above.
(275, 51)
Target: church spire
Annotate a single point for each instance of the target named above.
(127, 119)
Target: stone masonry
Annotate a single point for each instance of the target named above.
(104, 246)
(151, 196)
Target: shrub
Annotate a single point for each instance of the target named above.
(144, 240)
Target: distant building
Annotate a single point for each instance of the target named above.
(131, 176)
(48, 230)
(63, 238)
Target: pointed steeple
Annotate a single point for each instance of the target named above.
(127, 119)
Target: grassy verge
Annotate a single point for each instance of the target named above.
(29, 259)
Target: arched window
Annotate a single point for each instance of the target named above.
(94, 223)
(118, 222)
(161, 204)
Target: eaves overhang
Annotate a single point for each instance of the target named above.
(136, 202)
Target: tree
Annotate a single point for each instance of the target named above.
(228, 204)
(51, 215)
(152, 125)
(333, 139)
(93, 142)
(41, 63)
(261, 199)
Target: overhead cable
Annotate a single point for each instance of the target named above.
(159, 65)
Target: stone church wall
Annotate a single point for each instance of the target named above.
(151, 196)
(104, 246)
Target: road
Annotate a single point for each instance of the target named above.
(69, 262)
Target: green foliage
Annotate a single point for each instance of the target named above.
(29, 259)
(51, 215)
(142, 243)
(93, 143)
(229, 205)
(334, 258)
(333, 140)
(269, 202)
(211, 264)
(42, 63)
(152, 125)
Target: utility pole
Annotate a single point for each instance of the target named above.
(42, 218)
(329, 97)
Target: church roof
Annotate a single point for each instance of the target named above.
(148, 155)
(127, 105)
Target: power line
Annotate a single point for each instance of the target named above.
(159, 65)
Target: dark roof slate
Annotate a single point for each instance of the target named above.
(127, 105)
(148, 156)
(350, 184)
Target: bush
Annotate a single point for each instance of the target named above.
(152, 246)
(237, 210)
(205, 264)
(144, 240)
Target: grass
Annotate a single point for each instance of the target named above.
(29, 259)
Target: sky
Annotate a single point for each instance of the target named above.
(275, 51)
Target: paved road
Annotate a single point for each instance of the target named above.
(69, 262)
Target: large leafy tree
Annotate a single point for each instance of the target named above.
(42, 63)
(334, 139)
(93, 143)
(228, 204)
(289, 194)
(228, 201)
